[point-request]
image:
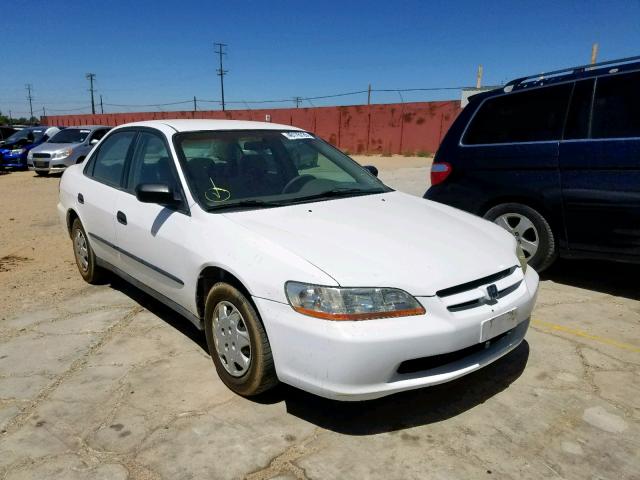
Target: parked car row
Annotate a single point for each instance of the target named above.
(46, 149)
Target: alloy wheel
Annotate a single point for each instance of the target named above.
(523, 229)
(81, 250)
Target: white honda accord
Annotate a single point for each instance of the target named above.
(298, 263)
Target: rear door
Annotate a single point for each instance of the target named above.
(510, 150)
(600, 166)
(98, 195)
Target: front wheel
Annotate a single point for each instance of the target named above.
(531, 230)
(237, 342)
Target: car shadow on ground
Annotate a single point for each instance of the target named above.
(619, 279)
(388, 414)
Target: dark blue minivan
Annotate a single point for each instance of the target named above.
(554, 159)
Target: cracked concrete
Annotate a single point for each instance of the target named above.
(108, 384)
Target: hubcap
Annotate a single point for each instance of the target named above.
(81, 250)
(231, 339)
(523, 229)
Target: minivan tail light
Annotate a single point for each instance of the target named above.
(439, 172)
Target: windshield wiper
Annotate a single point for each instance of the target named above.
(244, 204)
(339, 192)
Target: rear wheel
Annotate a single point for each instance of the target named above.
(237, 342)
(85, 258)
(531, 230)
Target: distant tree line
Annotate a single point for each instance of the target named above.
(5, 120)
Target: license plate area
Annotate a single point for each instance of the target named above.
(41, 164)
(495, 326)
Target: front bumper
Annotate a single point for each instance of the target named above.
(47, 165)
(360, 360)
(13, 161)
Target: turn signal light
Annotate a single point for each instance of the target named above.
(439, 172)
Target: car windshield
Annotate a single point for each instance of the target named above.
(34, 134)
(258, 169)
(70, 135)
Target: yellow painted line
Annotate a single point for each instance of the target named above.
(580, 333)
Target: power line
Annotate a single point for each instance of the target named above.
(91, 77)
(221, 71)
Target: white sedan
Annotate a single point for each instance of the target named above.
(298, 263)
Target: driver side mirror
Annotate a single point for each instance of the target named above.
(372, 170)
(159, 193)
(93, 141)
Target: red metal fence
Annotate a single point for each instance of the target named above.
(406, 128)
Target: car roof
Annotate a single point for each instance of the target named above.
(184, 125)
(87, 127)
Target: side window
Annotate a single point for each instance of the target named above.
(616, 107)
(109, 161)
(526, 116)
(579, 111)
(98, 134)
(151, 162)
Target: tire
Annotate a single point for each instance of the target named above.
(529, 227)
(91, 272)
(42, 174)
(259, 374)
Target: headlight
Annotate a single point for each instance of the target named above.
(18, 151)
(334, 303)
(522, 258)
(62, 154)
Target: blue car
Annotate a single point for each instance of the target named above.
(14, 150)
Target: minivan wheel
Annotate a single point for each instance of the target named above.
(85, 258)
(531, 229)
(237, 342)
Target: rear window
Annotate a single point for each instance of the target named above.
(616, 107)
(527, 116)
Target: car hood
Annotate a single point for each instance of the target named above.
(387, 240)
(53, 147)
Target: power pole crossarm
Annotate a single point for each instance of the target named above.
(221, 71)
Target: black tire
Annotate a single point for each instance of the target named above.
(260, 375)
(547, 248)
(41, 174)
(92, 274)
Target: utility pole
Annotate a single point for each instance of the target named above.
(195, 105)
(297, 100)
(28, 86)
(101, 107)
(221, 71)
(10, 119)
(44, 111)
(479, 77)
(594, 53)
(91, 77)
(369, 95)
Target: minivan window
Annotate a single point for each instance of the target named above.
(616, 107)
(110, 159)
(527, 116)
(579, 111)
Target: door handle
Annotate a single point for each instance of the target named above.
(122, 218)
(80, 198)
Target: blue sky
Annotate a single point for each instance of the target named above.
(148, 52)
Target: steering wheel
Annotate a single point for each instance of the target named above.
(296, 183)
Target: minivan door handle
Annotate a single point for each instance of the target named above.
(122, 218)
(80, 198)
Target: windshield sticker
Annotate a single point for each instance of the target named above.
(215, 194)
(297, 135)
